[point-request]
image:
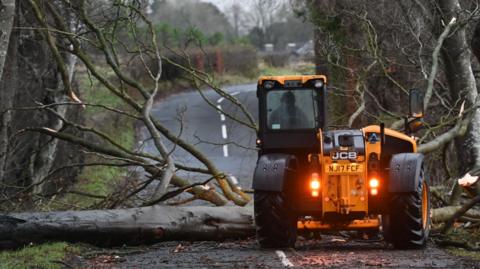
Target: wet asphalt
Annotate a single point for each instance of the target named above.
(228, 144)
(329, 252)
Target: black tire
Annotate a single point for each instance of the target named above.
(408, 225)
(276, 225)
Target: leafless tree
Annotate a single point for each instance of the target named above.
(77, 31)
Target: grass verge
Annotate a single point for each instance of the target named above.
(100, 180)
(45, 256)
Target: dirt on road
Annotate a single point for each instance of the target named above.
(330, 252)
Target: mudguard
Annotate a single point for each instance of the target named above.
(405, 169)
(272, 171)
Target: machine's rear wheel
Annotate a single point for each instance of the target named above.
(276, 225)
(408, 224)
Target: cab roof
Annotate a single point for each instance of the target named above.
(282, 79)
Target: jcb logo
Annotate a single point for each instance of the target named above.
(344, 155)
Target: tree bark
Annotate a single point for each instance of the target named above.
(443, 214)
(127, 226)
(457, 59)
(7, 14)
(146, 225)
(459, 213)
(29, 77)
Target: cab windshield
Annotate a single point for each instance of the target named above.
(292, 109)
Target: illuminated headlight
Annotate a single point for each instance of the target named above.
(318, 83)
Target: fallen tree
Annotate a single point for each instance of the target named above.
(443, 214)
(148, 225)
(145, 225)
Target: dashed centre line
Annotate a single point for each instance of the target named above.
(283, 258)
(224, 131)
(225, 136)
(225, 150)
(224, 128)
(222, 116)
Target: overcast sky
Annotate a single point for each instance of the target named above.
(222, 4)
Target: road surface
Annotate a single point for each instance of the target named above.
(202, 124)
(228, 144)
(330, 252)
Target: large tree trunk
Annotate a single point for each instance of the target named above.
(7, 15)
(28, 76)
(127, 226)
(145, 225)
(458, 67)
(462, 84)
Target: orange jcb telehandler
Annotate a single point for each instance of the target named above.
(310, 178)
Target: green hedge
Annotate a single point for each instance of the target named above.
(240, 60)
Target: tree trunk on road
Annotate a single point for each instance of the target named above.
(127, 226)
(145, 225)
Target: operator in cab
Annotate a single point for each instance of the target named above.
(288, 115)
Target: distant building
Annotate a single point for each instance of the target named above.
(291, 47)
(268, 47)
(307, 50)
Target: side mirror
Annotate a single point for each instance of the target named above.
(416, 103)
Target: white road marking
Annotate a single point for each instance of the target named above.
(234, 180)
(224, 131)
(224, 128)
(220, 100)
(225, 150)
(234, 93)
(283, 258)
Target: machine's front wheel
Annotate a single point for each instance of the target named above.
(276, 225)
(408, 224)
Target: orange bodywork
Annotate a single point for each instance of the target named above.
(388, 132)
(347, 190)
(282, 79)
(353, 225)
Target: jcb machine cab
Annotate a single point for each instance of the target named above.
(309, 178)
